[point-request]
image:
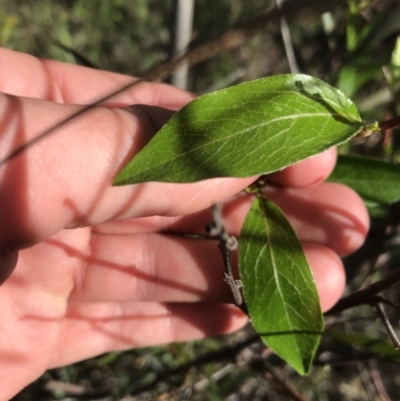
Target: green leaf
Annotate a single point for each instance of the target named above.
(253, 128)
(375, 180)
(375, 345)
(278, 286)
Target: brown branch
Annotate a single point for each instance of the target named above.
(386, 322)
(384, 300)
(367, 295)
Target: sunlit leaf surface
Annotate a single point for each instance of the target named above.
(253, 128)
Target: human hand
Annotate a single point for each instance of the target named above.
(107, 268)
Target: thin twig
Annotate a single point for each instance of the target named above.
(216, 376)
(373, 266)
(79, 57)
(228, 243)
(287, 42)
(384, 300)
(367, 295)
(386, 322)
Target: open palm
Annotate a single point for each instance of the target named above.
(105, 268)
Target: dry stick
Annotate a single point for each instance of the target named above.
(79, 57)
(386, 322)
(287, 43)
(384, 300)
(369, 276)
(231, 39)
(202, 384)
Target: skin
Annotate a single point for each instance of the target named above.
(104, 268)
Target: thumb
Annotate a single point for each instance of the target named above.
(64, 180)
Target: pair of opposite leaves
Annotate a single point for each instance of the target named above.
(251, 129)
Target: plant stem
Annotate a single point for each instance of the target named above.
(386, 322)
(392, 123)
(228, 243)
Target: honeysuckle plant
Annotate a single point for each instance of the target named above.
(257, 128)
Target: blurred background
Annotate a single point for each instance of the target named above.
(355, 46)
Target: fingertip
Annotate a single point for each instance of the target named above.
(328, 272)
(307, 173)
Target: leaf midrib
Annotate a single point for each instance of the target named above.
(233, 135)
(266, 226)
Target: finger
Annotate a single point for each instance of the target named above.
(329, 214)
(92, 329)
(68, 83)
(65, 180)
(164, 268)
(309, 172)
(328, 271)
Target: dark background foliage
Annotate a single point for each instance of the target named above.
(356, 47)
